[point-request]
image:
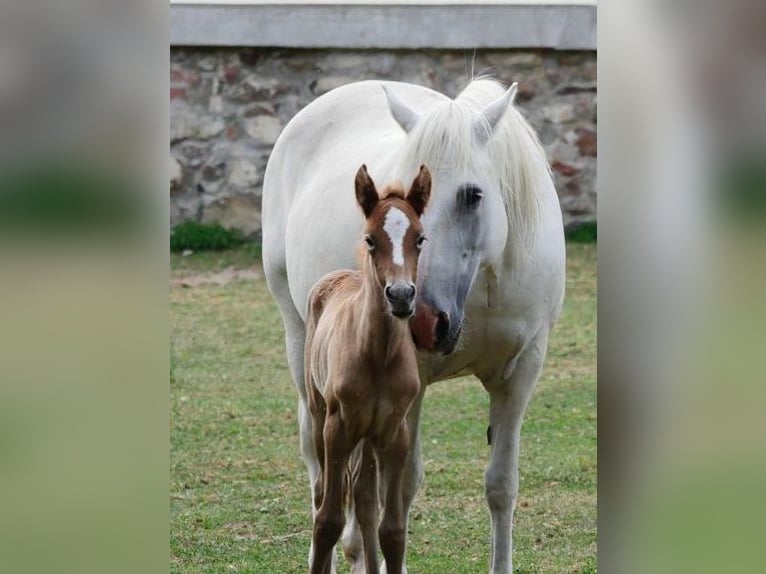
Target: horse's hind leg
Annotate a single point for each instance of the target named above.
(509, 394)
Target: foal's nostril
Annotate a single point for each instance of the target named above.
(400, 293)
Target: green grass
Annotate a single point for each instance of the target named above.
(586, 232)
(240, 499)
(203, 236)
(243, 257)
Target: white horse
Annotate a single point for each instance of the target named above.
(491, 280)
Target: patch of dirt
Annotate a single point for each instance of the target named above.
(220, 278)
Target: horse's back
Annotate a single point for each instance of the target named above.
(334, 130)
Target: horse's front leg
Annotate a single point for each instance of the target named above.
(509, 394)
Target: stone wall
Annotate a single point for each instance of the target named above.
(228, 107)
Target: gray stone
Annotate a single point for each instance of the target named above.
(186, 123)
(242, 212)
(207, 63)
(522, 59)
(213, 172)
(327, 83)
(263, 129)
(215, 106)
(176, 175)
(345, 61)
(576, 88)
(209, 127)
(185, 207)
(261, 88)
(563, 152)
(192, 154)
(260, 109)
(235, 107)
(243, 174)
(560, 113)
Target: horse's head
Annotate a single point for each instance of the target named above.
(466, 221)
(394, 236)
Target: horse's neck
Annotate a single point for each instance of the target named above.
(377, 331)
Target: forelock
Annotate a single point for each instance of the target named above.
(393, 190)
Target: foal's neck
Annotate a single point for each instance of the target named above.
(379, 331)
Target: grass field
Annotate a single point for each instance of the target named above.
(239, 490)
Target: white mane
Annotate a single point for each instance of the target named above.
(445, 137)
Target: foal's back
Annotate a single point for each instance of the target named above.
(329, 322)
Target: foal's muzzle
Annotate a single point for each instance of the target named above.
(401, 298)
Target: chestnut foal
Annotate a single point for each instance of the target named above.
(362, 375)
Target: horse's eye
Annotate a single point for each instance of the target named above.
(421, 240)
(470, 195)
(370, 242)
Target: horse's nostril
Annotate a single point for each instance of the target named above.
(442, 327)
(387, 291)
(411, 293)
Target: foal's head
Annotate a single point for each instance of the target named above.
(394, 236)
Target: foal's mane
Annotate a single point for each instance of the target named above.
(517, 164)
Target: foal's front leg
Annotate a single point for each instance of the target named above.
(329, 520)
(392, 530)
(366, 508)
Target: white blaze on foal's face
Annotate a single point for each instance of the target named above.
(395, 226)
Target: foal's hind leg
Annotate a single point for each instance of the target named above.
(361, 512)
(329, 520)
(295, 338)
(365, 495)
(412, 473)
(392, 530)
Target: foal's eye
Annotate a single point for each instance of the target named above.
(420, 241)
(470, 195)
(370, 242)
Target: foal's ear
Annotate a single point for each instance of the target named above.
(366, 194)
(420, 191)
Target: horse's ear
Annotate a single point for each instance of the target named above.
(366, 194)
(404, 115)
(420, 191)
(493, 113)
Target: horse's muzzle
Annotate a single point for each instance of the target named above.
(447, 335)
(433, 331)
